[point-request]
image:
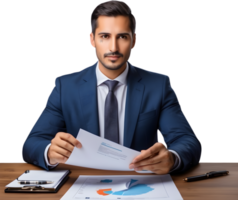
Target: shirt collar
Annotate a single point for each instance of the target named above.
(102, 78)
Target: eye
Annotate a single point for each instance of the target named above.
(105, 36)
(124, 37)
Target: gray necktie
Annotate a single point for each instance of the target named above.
(111, 128)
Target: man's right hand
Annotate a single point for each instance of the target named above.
(61, 147)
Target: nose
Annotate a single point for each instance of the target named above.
(113, 44)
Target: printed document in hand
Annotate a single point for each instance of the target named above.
(133, 187)
(100, 153)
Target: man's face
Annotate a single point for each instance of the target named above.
(113, 41)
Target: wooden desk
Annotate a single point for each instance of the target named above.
(219, 188)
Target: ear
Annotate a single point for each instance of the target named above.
(92, 39)
(135, 41)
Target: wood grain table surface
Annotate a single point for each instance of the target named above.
(218, 188)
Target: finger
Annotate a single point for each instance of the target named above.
(54, 153)
(160, 164)
(143, 151)
(149, 152)
(69, 138)
(59, 158)
(139, 157)
(151, 162)
(65, 145)
(152, 168)
(62, 151)
(162, 171)
(136, 158)
(131, 164)
(148, 161)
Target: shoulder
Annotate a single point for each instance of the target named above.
(78, 77)
(151, 77)
(79, 74)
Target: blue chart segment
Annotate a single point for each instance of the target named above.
(137, 189)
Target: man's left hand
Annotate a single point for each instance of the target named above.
(156, 159)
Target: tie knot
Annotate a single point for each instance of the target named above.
(111, 84)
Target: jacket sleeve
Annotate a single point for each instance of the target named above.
(49, 123)
(176, 130)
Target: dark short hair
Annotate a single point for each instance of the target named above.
(112, 8)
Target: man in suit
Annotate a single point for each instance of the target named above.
(115, 100)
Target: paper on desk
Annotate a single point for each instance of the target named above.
(100, 153)
(116, 185)
(141, 187)
(55, 176)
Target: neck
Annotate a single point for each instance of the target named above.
(112, 73)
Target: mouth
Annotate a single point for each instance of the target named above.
(113, 57)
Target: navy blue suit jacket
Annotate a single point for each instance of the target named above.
(151, 104)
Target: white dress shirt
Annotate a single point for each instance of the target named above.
(120, 93)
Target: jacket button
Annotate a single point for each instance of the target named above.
(35, 162)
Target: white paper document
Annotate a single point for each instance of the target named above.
(55, 176)
(133, 187)
(100, 153)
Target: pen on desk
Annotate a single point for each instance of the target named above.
(35, 182)
(206, 176)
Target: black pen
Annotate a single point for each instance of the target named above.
(35, 182)
(206, 176)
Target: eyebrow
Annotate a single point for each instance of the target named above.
(104, 33)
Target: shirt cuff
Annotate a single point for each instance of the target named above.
(177, 161)
(46, 158)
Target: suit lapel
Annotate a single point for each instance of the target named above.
(88, 101)
(133, 101)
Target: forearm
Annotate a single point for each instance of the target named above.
(33, 151)
(189, 149)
